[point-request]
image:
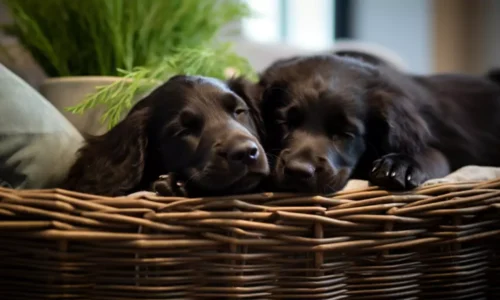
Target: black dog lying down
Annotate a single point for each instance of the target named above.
(331, 118)
(196, 128)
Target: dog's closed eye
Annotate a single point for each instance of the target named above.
(346, 135)
(241, 113)
(190, 121)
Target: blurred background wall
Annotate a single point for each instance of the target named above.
(401, 25)
(465, 35)
(429, 35)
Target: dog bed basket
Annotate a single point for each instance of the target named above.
(437, 242)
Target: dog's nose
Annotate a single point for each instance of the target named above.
(299, 169)
(245, 152)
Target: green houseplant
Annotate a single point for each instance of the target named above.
(102, 54)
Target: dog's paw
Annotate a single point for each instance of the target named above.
(167, 186)
(397, 172)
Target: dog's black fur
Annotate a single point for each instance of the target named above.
(366, 57)
(330, 118)
(197, 128)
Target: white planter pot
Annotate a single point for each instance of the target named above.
(64, 92)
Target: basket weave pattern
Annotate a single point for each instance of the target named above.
(438, 242)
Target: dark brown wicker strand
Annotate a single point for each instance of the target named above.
(437, 242)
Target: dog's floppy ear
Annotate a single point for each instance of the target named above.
(396, 116)
(251, 93)
(112, 164)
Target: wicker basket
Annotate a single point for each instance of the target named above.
(438, 242)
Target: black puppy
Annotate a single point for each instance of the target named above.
(330, 118)
(194, 127)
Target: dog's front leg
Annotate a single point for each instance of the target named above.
(168, 185)
(396, 171)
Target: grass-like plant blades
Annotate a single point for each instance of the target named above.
(99, 37)
(145, 41)
(119, 96)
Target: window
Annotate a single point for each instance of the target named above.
(309, 24)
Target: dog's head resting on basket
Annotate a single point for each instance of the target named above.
(195, 127)
(323, 114)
